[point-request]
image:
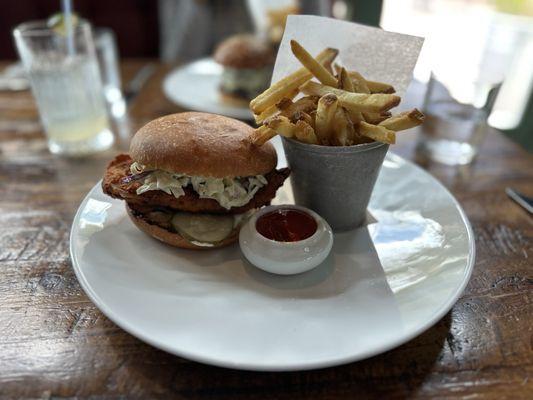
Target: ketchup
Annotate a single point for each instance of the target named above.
(286, 225)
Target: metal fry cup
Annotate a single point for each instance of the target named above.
(335, 181)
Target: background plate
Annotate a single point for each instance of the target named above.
(381, 285)
(195, 86)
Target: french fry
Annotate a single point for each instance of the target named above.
(304, 104)
(270, 111)
(328, 67)
(373, 86)
(288, 84)
(374, 119)
(343, 131)
(303, 116)
(359, 82)
(284, 103)
(355, 116)
(342, 110)
(312, 65)
(376, 132)
(281, 125)
(345, 83)
(305, 133)
(312, 114)
(325, 114)
(380, 87)
(404, 120)
(262, 135)
(376, 103)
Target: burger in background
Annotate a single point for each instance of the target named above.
(248, 62)
(192, 179)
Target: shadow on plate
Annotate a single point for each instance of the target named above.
(145, 264)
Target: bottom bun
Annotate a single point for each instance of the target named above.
(175, 239)
(234, 100)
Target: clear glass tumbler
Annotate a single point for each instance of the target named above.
(456, 121)
(67, 86)
(107, 56)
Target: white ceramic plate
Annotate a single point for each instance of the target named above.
(195, 86)
(381, 286)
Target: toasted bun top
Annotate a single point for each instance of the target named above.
(244, 51)
(201, 144)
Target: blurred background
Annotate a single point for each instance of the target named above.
(476, 66)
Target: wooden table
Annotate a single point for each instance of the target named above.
(55, 343)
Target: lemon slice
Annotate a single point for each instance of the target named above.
(203, 227)
(57, 23)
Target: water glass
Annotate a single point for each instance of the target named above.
(66, 83)
(454, 130)
(107, 56)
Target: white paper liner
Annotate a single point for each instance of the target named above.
(377, 54)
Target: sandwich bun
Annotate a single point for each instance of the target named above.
(244, 52)
(201, 144)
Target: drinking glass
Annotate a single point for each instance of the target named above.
(456, 123)
(107, 56)
(65, 80)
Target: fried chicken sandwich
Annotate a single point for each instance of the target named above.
(191, 179)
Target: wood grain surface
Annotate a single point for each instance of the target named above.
(54, 343)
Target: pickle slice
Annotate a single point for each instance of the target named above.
(203, 227)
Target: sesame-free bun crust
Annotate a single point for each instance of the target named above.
(175, 239)
(244, 51)
(201, 144)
